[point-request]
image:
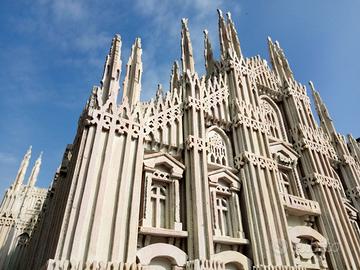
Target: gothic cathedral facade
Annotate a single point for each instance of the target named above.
(229, 170)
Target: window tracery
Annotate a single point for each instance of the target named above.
(219, 151)
(274, 120)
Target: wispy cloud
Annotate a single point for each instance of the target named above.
(165, 22)
(7, 158)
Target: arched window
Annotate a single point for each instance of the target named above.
(273, 119)
(218, 148)
(23, 239)
(158, 206)
(37, 205)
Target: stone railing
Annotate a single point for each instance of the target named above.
(204, 265)
(76, 265)
(300, 206)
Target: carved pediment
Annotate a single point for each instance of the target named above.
(172, 165)
(283, 153)
(226, 176)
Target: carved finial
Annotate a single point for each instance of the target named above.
(35, 171)
(132, 82)
(228, 15)
(186, 48)
(111, 75)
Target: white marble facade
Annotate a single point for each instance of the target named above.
(228, 170)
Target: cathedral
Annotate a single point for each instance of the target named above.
(226, 170)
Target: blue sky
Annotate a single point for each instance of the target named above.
(52, 53)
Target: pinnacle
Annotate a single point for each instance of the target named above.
(228, 15)
(184, 22)
(138, 42)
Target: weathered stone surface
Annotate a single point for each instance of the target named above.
(228, 170)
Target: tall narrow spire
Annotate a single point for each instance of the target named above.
(174, 78)
(35, 172)
(132, 82)
(22, 170)
(233, 35)
(112, 69)
(223, 36)
(208, 54)
(279, 62)
(324, 116)
(187, 57)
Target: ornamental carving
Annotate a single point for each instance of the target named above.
(255, 160)
(319, 179)
(197, 143)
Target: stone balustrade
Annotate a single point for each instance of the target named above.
(300, 206)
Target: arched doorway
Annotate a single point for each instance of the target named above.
(159, 263)
(231, 266)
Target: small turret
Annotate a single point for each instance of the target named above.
(35, 172)
(324, 116)
(187, 57)
(132, 82)
(112, 69)
(22, 170)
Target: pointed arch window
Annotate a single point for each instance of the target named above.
(273, 119)
(219, 148)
